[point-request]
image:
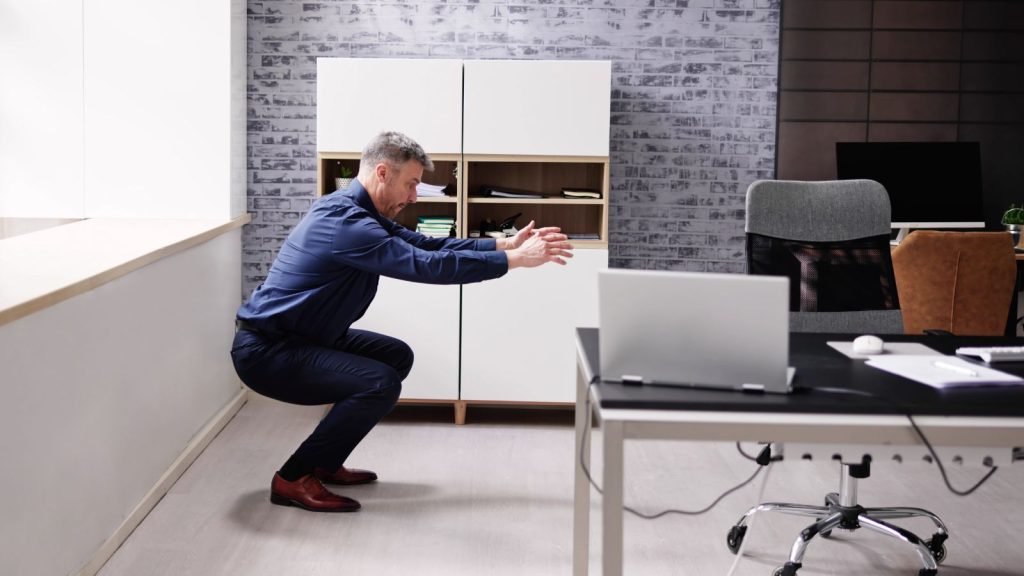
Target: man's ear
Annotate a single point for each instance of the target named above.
(382, 172)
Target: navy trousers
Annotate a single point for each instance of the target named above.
(362, 376)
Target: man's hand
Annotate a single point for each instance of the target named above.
(539, 247)
(526, 232)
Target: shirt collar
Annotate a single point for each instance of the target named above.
(362, 198)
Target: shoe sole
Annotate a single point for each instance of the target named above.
(337, 483)
(282, 501)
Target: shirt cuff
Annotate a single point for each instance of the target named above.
(486, 245)
(497, 262)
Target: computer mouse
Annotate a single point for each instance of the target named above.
(868, 345)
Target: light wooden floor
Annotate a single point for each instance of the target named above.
(495, 497)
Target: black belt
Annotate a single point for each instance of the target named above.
(243, 325)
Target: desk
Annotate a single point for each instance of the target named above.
(987, 417)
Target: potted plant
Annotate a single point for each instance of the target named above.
(345, 177)
(1013, 220)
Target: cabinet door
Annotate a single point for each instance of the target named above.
(517, 331)
(426, 317)
(357, 98)
(537, 107)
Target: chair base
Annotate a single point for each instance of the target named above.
(841, 511)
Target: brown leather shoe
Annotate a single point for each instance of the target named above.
(345, 476)
(308, 493)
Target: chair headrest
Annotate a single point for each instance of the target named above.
(827, 211)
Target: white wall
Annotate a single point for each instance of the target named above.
(122, 108)
(102, 392)
(162, 88)
(41, 109)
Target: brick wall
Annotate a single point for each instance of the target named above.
(692, 118)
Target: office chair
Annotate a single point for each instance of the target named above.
(832, 240)
(959, 282)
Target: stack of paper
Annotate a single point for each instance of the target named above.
(943, 371)
(581, 193)
(501, 192)
(429, 190)
(436, 226)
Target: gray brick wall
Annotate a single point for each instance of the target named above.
(692, 118)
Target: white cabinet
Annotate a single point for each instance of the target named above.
(517, 332)
(426, 317)
(537, 107)
(359, 98)
(540, 126)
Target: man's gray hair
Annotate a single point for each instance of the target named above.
(396, 149)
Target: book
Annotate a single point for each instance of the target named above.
(436, 226)
(502, 192)
(581, 193)
(437, 232)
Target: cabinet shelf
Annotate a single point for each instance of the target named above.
(582, 201)
(437, 200)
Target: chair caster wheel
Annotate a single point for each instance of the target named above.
(735, 538)
(787, 569)
(938, 553)
(937, 545)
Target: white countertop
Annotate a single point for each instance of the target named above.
(40, 269)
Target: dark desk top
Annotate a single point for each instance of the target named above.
(819, 366)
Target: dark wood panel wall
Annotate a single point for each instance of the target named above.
(903, 71)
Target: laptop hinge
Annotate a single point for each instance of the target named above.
(632, 380)
(753, 387)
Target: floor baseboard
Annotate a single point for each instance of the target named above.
(194, 448)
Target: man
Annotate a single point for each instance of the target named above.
(294, 341)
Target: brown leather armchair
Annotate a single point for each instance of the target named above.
(961, 282)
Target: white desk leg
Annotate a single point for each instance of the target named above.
(581, 494)
(611, 504)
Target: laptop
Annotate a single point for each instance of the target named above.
(700, 330)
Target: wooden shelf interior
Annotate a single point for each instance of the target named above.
(445, 172)
(409, 215)
(571, 219)
(330, 168)
(545, 178)
(539, 177)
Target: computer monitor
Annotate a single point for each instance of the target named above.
(930, 184)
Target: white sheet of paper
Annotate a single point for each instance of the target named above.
(943, 371)
(889, 349)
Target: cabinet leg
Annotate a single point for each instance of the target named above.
(460, 412)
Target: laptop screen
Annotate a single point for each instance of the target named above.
(694, 329)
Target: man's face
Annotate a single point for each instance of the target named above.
(400, 187)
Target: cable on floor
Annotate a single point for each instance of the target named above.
(639, 514)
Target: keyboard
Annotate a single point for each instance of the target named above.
(992, 354)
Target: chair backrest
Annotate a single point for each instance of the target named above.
(832, 240)
(961, 282)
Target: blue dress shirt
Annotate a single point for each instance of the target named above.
(326, 274)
